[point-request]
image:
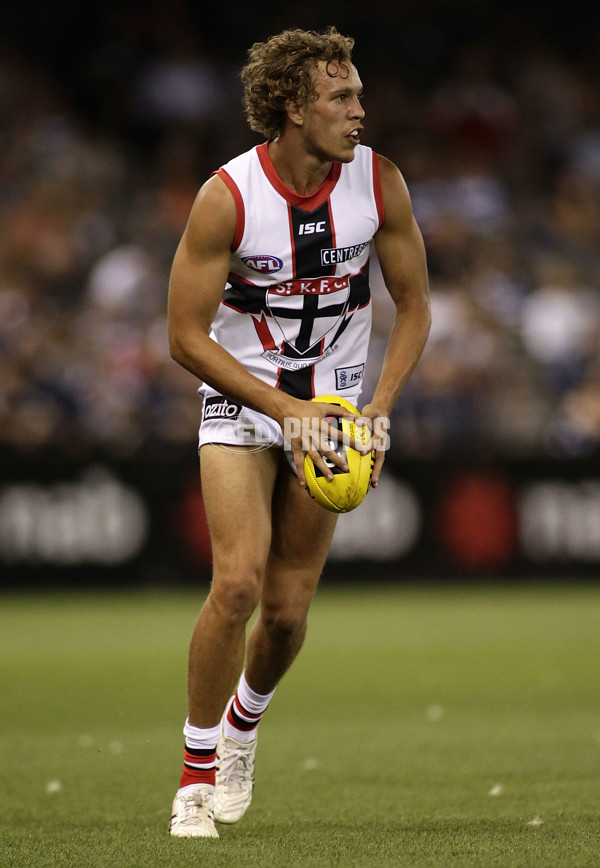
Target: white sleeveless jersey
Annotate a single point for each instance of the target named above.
(296, 310)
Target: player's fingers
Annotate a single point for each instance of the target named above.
(298, 458)
(364, 439)
(319, 461)
(364, 422)
(331, 442)
(333, 435)
(336, 410)
(314, 444)
(379, 459)
(335, 458)
(333, 431)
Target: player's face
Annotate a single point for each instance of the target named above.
(332, 122)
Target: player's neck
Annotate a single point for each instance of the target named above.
(301, 172)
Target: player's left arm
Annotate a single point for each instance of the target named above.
(401, 253)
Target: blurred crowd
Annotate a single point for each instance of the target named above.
(99, 167)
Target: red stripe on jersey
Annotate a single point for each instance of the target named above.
(307, 203)
(332, 225)
(292, 248)
(280, 371)
(262, 330)
(239, 208)
(292, 240)
(377, 189)
(309, 286)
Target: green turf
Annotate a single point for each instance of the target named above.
(456, 727)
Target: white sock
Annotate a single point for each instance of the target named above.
(200, 739)
(199, 756)
(245, 711)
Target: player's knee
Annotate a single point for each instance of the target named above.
(283, 625)
(236, 596)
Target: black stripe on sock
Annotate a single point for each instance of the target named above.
(200, 752)
(242, 724)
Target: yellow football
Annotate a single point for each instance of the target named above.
(348, 488)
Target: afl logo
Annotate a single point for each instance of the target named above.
(264, 263)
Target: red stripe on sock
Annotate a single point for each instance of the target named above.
(239, 723)
(242, 711)
(198, 776)
(236, 714)
(229, 715)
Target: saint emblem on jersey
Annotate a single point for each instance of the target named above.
(298, 322)
(305, 316)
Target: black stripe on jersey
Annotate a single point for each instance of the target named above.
(300, 383)
(360, 295)
(311, 232)
(360, 290)
(245, 297)
(296, 383)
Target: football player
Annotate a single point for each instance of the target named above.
(269, 305)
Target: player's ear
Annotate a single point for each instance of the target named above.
(294, 112)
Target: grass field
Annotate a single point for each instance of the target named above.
(419, 727)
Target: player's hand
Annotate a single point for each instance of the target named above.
(378, 423)
(309, 430)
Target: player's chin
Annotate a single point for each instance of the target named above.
(346, 157)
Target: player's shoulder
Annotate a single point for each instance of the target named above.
(394, 190)
(213, 196)
(388, 170)
(218, 208)
(213, 217)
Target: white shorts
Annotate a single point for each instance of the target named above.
(224, 421)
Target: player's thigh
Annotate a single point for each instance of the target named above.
(302, 531)
(237, 489)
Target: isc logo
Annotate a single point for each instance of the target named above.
(347, 377)
(311, 228)
(264, 263)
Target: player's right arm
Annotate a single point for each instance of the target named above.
(198, 277)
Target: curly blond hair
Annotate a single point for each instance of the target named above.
(279, 70)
